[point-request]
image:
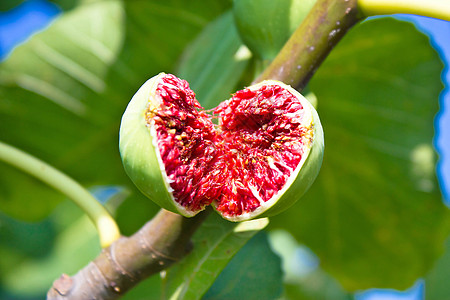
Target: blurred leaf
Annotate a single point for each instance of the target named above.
(437, 280)
(6, 5)
(68, 4)
(253, 273)
(40, 252)
(215, 243)
(9, 4)
(47, 87)
(148, 289)
(375, 216)
(32, 204)
(303, 278)
(134, 212)
(156, 36)
(317, 285)
(28, 239)
(64, 91)
(75, 245)
(214, 62)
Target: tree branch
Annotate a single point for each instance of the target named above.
(158, 244)
(322, 29)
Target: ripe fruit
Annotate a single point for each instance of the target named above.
(260, 158)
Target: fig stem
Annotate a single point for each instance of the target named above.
(438, 9)
(106, 225)
(324, 26)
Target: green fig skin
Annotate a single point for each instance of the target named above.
(139, 156)
(266, 25)
(307, 172)
(143, 163)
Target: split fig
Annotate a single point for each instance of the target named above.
(252, 156)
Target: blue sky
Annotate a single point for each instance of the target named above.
(33, 15)
(439, 32)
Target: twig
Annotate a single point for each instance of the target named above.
(439, 9)
(157, 245)
(107, 228)
(322, 29)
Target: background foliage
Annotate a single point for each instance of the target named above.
(374, 218)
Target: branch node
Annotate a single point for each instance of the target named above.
(63, 284)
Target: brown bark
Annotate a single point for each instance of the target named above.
(118, 268)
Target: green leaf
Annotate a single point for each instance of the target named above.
(64, 4)
(134, 212)
(48, 87)
(148, 289)
(303, 279)
(63, 92)
(215, 61)
(7, 5)
(253, 273)
(375, 216)
(67, 4)
(317, 285)
(157, 34)
(436, 281)
(27, 239)
(75, 245)
(214, 244)
(17, 202)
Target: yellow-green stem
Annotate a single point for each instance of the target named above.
(106, 226)
(438, 9)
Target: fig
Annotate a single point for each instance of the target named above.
(252, 156)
